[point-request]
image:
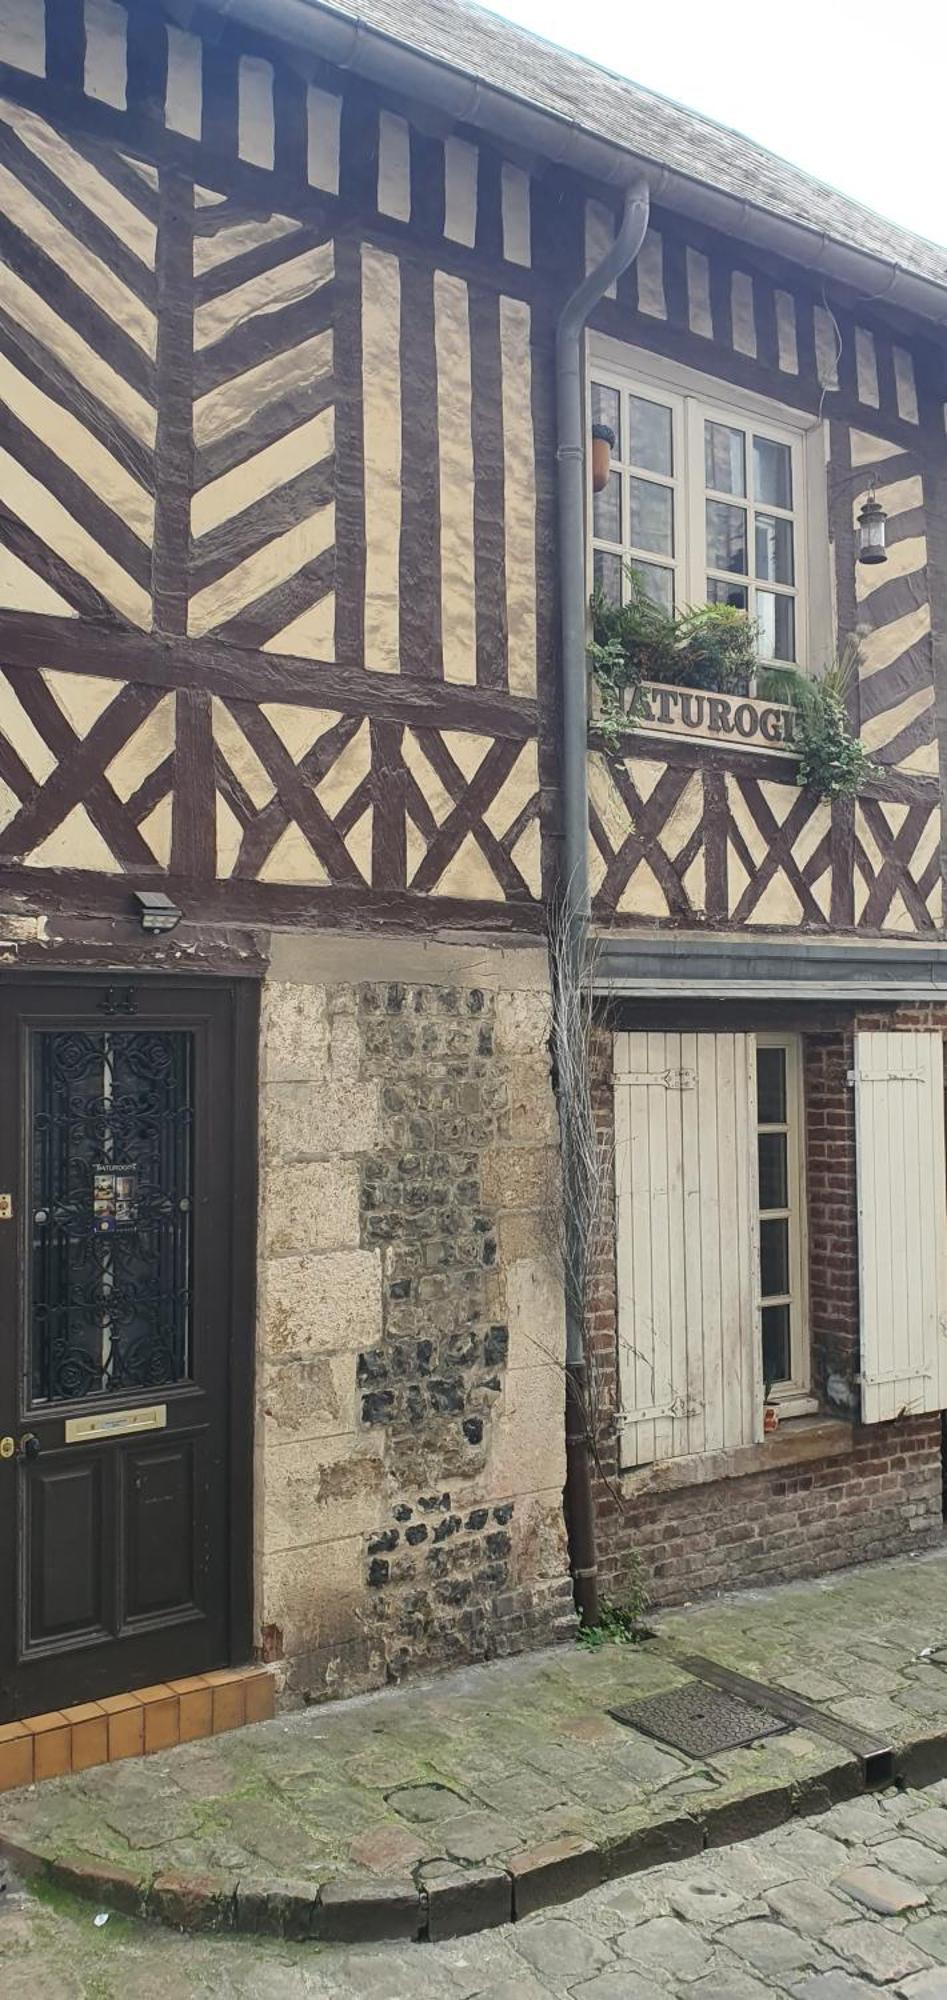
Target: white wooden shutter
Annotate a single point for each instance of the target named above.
(902, 1223)
(690, 1366)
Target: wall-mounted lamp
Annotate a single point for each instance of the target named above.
(156, 911)
(603, 444)
(871, 530)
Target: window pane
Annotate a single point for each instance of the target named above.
(606, 511)
(719, 592)
(772, 472)
(776, 620)
(726, 537)
(774, 1170)
(606, 409)
(774, 549)
(606, 571)
(774, 1258)
(777, 1350)
(651, 444)
(771, 1086)
(724, 458)
(652, 517)
(657, 583)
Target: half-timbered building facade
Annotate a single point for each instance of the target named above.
(282, 1312)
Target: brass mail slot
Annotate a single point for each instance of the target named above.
(116, 1423)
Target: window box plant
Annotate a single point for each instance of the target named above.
(713, 647)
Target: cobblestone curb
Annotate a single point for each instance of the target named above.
(352, 1910)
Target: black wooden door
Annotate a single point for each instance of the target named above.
(125, 1308)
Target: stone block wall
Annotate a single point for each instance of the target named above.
(411, 1340)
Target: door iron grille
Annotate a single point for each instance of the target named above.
(112, 1134)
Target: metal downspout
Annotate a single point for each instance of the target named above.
(570, 410)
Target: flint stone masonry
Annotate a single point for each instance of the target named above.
(410, 1381)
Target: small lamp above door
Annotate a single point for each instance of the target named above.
(156, 912)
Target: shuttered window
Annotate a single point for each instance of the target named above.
(902, 1204)
(687, 1244)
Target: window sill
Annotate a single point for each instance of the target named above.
(793, 1403)
(798, 1440)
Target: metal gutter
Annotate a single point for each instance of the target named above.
(350, 43)
(574, 874)
(648, 966)
(573, 583)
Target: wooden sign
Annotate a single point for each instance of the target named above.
(718, 718)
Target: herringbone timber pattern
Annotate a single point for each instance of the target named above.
(78, 340)
(307, 796)
(86, 772)
(691, 843)
(897, 865)
(896, 669)
(262, 514)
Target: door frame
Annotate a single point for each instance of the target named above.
(242, 1024)
(244, 1265)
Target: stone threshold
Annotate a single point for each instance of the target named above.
(132, 1725)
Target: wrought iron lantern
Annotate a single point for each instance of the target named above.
(871, 530)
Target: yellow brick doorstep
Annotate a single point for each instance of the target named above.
(16, 1756)
(134, 1724)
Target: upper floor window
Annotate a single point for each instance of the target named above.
(707, 501)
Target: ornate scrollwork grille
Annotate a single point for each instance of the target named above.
(112, 1210)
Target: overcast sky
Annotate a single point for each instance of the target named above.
(856, 94)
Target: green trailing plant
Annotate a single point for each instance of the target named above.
(631, 643)
(615, 1627)
(622, 1623)
(832, 761)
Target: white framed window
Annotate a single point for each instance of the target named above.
(715, 496)
(780, 1149)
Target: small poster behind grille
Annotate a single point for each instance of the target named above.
(114, 1198)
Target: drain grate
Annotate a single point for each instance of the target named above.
(699, 1719)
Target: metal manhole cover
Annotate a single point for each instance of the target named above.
(699, 1719)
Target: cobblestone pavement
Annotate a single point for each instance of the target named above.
(493, 1766)
(843, 1907)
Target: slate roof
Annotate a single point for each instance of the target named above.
(477, 43)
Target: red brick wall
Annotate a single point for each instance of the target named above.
(882, 1497)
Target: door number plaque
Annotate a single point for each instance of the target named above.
(116, 1423)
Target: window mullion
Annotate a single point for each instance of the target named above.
(695, 567)
(799, 1327)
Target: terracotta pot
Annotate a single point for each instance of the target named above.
(603, 439)
(770, 1419)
